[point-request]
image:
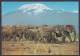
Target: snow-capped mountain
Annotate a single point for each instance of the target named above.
(37, 8)
(39, 14)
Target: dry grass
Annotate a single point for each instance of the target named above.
(20, 48)
(33, 48)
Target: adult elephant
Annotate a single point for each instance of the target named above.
(65, 30)
(14, 32)
(53, 29)
(69, 29)
(36, 34)
(31, 34)
(18, 31)
(47, 34)
(6, 33)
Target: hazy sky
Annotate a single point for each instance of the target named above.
(66, 6)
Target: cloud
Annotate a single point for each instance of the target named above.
(75, 11)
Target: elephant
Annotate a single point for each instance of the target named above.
(36, 34)
(31, 34)
(54, 30)
(65, 30)
(41, 33)
(46, 34)
(69, 29)
(62, 31)
(18, 31)
(6, 33)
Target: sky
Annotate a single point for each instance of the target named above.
(66, 6)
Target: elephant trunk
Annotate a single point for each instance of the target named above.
(74, 31)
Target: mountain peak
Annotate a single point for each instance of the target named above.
(34, 6)
(38, 8)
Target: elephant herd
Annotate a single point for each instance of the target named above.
(41, 33)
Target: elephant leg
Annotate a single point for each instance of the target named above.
(8, 38)
(25, 36)
(50, 39)
(30, 37)
(5, 37)
(35, 38)
(54, 39)
(19, 39)
(74, 37)
(63, 38)
(14, 38)
(43, 40)
(40, 39)
(2, 38)
(69, 37)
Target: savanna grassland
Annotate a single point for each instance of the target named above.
(33, 48)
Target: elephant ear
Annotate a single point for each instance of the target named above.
(67, 28)
(72, 28)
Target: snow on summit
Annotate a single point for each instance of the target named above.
(38, 8)
(34, 6)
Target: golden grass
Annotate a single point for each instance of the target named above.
(16, 48)
(33, 48)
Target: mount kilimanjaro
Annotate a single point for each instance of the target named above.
(39, 14)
